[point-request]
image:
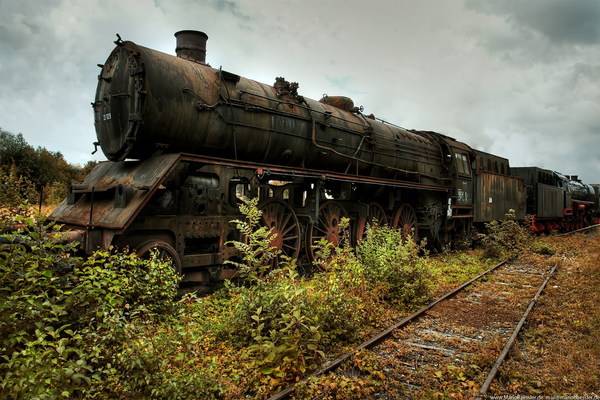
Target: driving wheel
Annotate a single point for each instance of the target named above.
(326, 227)
(405, 219)
(283, 222)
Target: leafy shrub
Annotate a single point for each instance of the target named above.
(285, 323)
(505, 238)
(393, 264)
(63, 319)
(110, 326)
(162, 364)
(542, 248)
(271, 319)
(339, 307)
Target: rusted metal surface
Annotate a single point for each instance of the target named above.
(147, 101)
(576, 189)
(545, 196)
(190, 200)
(486, 162)
(550, 201)
(341, 102)
(497, 194)
(113, 193)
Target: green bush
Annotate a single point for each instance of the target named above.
(505, 238)
(64, 319)
(273, 322)
(392, 264)
(162, 363)
(542, 248)
(339, 307)
(286, 323)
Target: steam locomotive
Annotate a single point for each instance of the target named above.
(187, 142)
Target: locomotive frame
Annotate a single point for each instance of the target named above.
(183, 205)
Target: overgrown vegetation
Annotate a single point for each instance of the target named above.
(284, 323)
(393, 263)
(64, 319)
(112, 326)
(506, 238)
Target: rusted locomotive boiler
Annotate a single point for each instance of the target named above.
(148, 101)
(186, 142)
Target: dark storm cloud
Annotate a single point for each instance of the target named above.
(560, 21)
(517, 78)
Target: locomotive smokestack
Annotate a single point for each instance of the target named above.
(191, 45)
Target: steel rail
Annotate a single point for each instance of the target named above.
(332, 365)
(492, 374)
(587, 228)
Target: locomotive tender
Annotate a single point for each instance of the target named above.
(186, 142)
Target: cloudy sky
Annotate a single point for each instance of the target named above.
(516, 78)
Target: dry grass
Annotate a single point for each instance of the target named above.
(559, 351)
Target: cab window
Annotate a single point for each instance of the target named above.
(462, 164)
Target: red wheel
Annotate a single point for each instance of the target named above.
(327, 227)
(405, 219)
(282, 219)
(375, 214)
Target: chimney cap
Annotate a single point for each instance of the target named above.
(191, 45)
(191, 32)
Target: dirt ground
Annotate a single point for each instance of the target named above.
(559, 350)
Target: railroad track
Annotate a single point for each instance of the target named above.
(473, 319)
(586, 229)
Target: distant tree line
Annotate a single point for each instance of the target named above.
(26, 172)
